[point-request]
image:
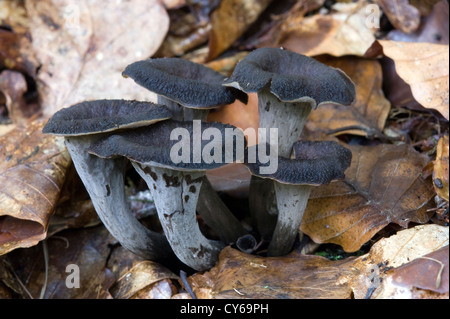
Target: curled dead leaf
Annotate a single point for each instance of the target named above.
(32, 172)
(139, 277)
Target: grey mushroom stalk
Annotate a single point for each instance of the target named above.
(315, 163)
(289, 87)
(190, 90)
(82, 125)
(175, 185)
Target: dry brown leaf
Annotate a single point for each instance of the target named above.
(163, 289)
(367, 115)
(16, 53)
(239, 275)
(401, 14)
(375, 268)
(230, 20)
(14, 86)
(425, 67)
(84, 46)
(440, 170)
(427, 272)
(143, 274)
(32, 172)
(343, 32)
(74, 256)
(433, 29)
(383, 185)
(238, 114)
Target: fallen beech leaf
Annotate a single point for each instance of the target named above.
(13, 85)
(426, 272)
(240, 276)
(343, 32)
(84, 47)
(440, 170)
(75, 256)
(433, 29)
(139, 277)
(400, 249)
(16, 53)
(14, 15)
(163, 289)
(32, 171)
(383, 185)
(230, 20)
(401, 14)
(367, 115)
(424, 66)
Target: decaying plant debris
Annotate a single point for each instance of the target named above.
(385, 220)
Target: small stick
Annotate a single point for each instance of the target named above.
(186, 284)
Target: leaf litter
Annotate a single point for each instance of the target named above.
(387, 205)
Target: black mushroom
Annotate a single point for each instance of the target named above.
(174, 176)
(289, 86)
(83, 124)
(315, 163)
(191, 90)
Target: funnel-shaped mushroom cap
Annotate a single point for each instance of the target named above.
(292, 77)
(315, 163)
(99, 116)
(183, 146)
(188, 83)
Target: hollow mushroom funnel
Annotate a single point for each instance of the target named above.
(81, 125)
(175, 183)
(289, 86)
(315, 163)
(191, 90)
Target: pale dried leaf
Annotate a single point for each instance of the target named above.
(425, 67)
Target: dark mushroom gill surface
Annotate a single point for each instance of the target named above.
(153, 144)
(187, 83)
(292, 77)
(315, 163)
(100, 116)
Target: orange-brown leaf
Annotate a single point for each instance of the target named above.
(425, 67)
(383, 185)
(32, 172)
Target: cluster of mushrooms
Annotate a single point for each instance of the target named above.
(103, 136)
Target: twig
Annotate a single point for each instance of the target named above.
(45, 251)
(439, 276)
(186, 284)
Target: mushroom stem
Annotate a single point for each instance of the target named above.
(181, 113)
(176, 194)
(288, 118)
(210, 206)
(217, 215)
(104, 181)
(291, 202)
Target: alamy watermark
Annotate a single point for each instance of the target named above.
(73, 277)
(234, 148)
